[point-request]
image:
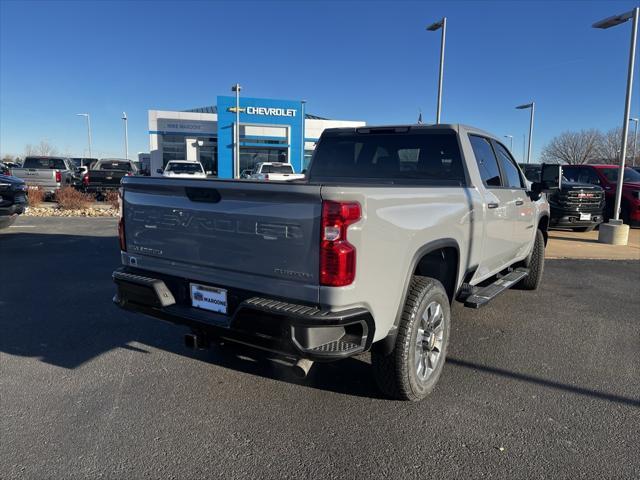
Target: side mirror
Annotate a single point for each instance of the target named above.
(550, 180)
(551, 177)
(159, 171)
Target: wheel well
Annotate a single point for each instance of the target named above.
(543, 226)
(441, 264)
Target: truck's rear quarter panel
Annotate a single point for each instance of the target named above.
(248, 235)
(397, 223)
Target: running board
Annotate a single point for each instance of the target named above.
(484, 295)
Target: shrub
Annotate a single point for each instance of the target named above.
(69, 198)
(35, 196)
(112, 198)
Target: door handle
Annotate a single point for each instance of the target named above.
(519, 202)
(493, 205)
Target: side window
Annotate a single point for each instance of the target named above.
(486, 160)
(513, 179)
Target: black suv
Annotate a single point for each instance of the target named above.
(578, 206)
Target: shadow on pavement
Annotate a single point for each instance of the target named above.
(55, 305)
(544, 382)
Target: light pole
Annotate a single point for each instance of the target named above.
(302, 104)
(532, 106)
(126, 136)
(608, 23)
(88, 117)
(440, 24)
(635, 140)
(510, 137)
(236, 141)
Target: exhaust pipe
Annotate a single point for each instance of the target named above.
(302, 367)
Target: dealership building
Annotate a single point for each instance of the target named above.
(269, 131)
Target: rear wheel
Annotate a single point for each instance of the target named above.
(535, 263)
(412, 369)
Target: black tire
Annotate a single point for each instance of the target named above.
(584, 229)
(535, 264)
(397, 374)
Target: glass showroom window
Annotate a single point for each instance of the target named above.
(249, 156)
(174, 147)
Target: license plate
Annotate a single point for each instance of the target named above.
(585, 216)
(209, 298)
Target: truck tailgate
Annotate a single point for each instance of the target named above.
(36, 177)
(251, 235)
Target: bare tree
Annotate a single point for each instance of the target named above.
(44, 148)
(29, 150)
(574, 148)
(609, 150)
(8, 158)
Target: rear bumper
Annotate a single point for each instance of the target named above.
(274, 325)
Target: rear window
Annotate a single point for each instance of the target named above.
(52, 163)
(412, 157)
(277, 169)
(184, 168)
(121, 166)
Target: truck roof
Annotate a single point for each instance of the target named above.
(458, 127)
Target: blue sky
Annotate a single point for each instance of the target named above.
(369, 61)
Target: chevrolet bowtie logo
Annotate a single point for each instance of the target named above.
(233, 109)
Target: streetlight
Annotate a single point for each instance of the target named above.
(532, 106)
(635, 141)
(126, 136)
(302, 104)
(88, 117)
(608, 23)
(440, 24)
(236, 141)
(510, 137)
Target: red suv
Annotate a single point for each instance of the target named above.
(607, 176)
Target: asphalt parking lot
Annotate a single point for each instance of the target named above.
(537, 385)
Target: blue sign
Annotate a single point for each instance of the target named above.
(258, 111)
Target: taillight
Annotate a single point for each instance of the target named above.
(266, 176)
(121, 236)
(337, 255)
(58, 177)
(85, 179)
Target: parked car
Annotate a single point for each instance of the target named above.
(606, 176)
(84, 164)
(4, 169)
(578, 206)
(48, 173)
(246, 173)
(274, 171)
(183, 169)
(13, 199)
(106, 175)
(392, 226)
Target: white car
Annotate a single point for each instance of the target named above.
(275, 171)
(184, 169)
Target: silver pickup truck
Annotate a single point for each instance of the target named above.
(391, 225)
(48, 173)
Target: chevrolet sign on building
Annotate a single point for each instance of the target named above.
(270, 131)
